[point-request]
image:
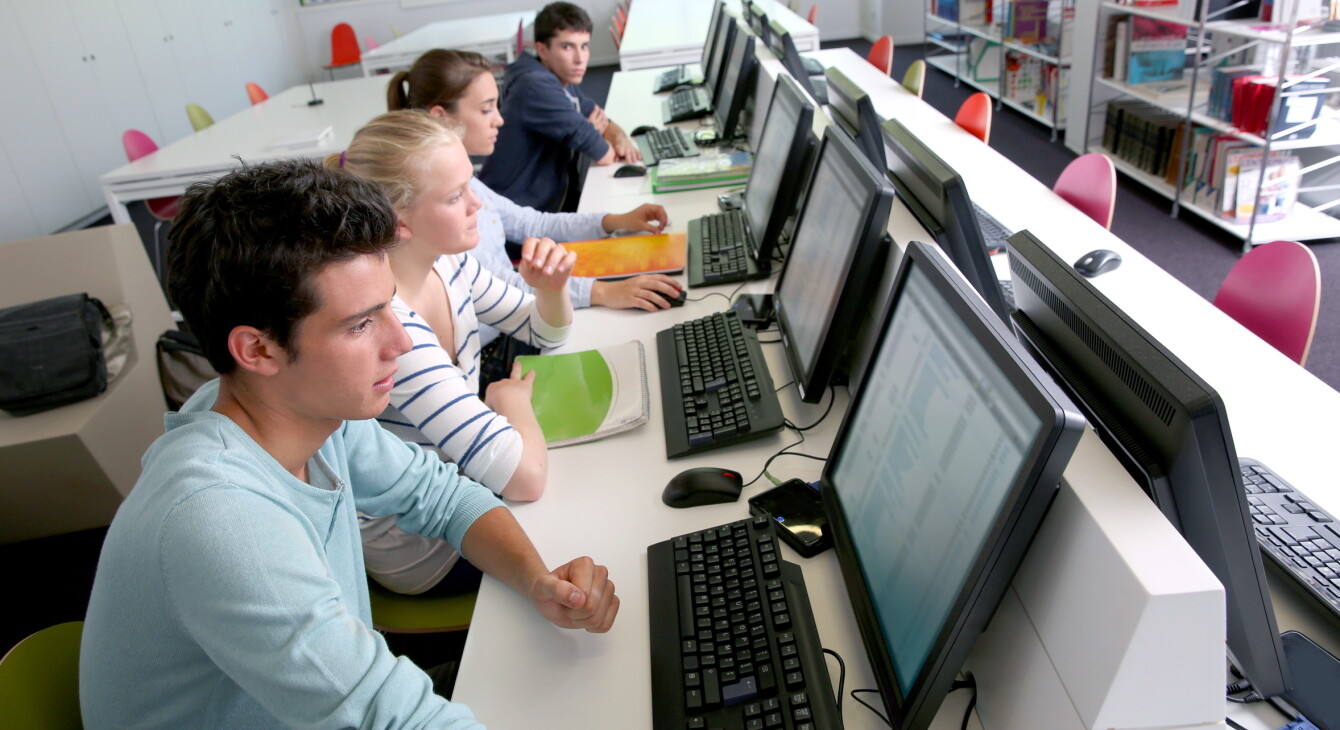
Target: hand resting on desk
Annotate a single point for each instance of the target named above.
(647, 217)
(577, 595)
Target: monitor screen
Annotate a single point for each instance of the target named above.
(937, 197)
(714, 48)
(737, 81)
(769, 196)
(854, 110)
(941, 474)
(835, 254)
(1169, 429)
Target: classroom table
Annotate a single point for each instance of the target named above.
(247, 136)
(492, 36)
(603, 498)
(663, 33)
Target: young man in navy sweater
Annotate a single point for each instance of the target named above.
(551, 125)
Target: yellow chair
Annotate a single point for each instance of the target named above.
(199, 117)
(39, 680)
(914, 80)
(396, 613)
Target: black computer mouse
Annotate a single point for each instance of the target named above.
(630, 171)
(704, 485)
(675, 301)
(641, 130)
(1098, 262)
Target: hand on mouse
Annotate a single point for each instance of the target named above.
(545, 265)
(646, 217)
(640, 292)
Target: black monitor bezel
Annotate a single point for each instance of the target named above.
(959, 236)
(1051, 297)
(791, 60)
(727, 116)
(764, 243)
(758, 22)
(1011, 533)
(844, 94)
(858, 280)
(711, 65)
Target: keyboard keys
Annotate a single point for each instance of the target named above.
(1293, 532)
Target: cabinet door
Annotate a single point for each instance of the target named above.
(158, 67)
(16, 216)
(201, 70)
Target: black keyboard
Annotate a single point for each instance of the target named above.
(665, 144)
(1295, 534)
(733, 640)
(687, 103)
(715, 386)
(719, 252)
(677, 76)
(993, 233)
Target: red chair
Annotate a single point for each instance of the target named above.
(137, 144)
(881, 55)
(618, 26)
(1089, 183)
(814, 14)
(1275, 291)
(621, 14)
(343, 48)
(256, 94)
(975, 116)
(615, 35)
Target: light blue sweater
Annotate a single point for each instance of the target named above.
(231, 594)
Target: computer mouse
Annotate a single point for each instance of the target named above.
(630, 171)
(1098, 262)
(703, 485)
(675, 301)
(641, 130)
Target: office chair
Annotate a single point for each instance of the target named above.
(344, 49)
(521, 38)
(975, 116)
(914, 80)
(615, 35)
(881, 55)
(622, 15)
(813, 15)
(137, 144)
(256, 94)
(39, 679)
(618, 25)
(1275, 291)
(396, 613)
(1089, 183)
(371, 43)
(200, 119)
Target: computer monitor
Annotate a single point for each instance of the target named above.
(942, 471)
(1169, 429)
(758, 21)
(937, 197)
(774, 181)
(784, 48)
(714, 50)
(835, 253)
(855, 113)
(737, 81)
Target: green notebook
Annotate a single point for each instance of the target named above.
(584, 396)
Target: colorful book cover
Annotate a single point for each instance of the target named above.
(614, 258)
(1278, 193)
(704, 167)
(1157, 50)
(1026, 20)
(588, 395)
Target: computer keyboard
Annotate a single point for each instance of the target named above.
(686, 103)
(666, 144)
(718, 251)
(677, 76)
(733, 639)
(993, 233)
(1295, 534)
(715, 385)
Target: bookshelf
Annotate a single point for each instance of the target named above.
(975, 42)
(1166, 128)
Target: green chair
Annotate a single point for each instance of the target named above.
(199, 117)
(396, 613)
(915, 78)
(39, 680)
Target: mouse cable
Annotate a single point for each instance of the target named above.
(970, 682)
(842, 679)
(869, 706)
(832, 396)
(785, 451)
(777, 341)
(789, 383)
(709, 295)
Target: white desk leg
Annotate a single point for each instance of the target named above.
(117, 207)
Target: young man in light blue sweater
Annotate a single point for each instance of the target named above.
(230, 591)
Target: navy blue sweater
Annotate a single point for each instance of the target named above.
(542, 128)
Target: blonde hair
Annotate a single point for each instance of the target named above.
(391, 150)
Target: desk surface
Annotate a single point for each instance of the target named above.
(486, 35)
(603, 497)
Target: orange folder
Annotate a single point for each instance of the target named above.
(615, 258)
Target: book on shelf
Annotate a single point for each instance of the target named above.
(616, 258)
(1026, 20)
(1278, 191)
(1157, 50)
(588, 395)
(1220, 104)
(947, 9)
(703, 171)
(1254, 99)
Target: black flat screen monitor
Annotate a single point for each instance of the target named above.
(758, 21)
(784, 48)
(831, 267)
(774, 181)
(937, 197)
(714, 50)
(941, 474)
(855, 112)
(1169, 429)
(737, 82)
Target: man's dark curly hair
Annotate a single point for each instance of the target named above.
(556, 17)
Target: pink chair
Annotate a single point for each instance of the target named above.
(975, 116)
(814, 14)
(1275, 291)
(137, 144)
(881, 55)
(256, 94)
(1089, 183)
(371, 43)
(520, 38)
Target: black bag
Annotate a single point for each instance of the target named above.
(182, 367)
(51, 353)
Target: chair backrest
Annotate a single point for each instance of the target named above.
(200, 118)
(371, 43)
(1089, 183)
(914, 79)
(881, 55)
(1275, 291)
(400, 614)
(975, 116)
(39, 679)
(618, 25)
(520, 38)
(137, 144)
(344, 46)
(621, 14)
(615, 35)
(814, 14)
(255, 93)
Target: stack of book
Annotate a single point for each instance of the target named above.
(1245, 97)
(703, 171)
(1146, 136)
(1142, 50)
(1224, 174)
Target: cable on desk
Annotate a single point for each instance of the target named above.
(972, 701)
(762, 341)
(832, 396)
(869, 706)
(788, 384)
(785, 451)
(1229, 721)
(842, 678)
(708, 296)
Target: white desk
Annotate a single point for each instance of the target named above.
(248, 134)
(492, 36)
(664, 33)
(604, 498)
